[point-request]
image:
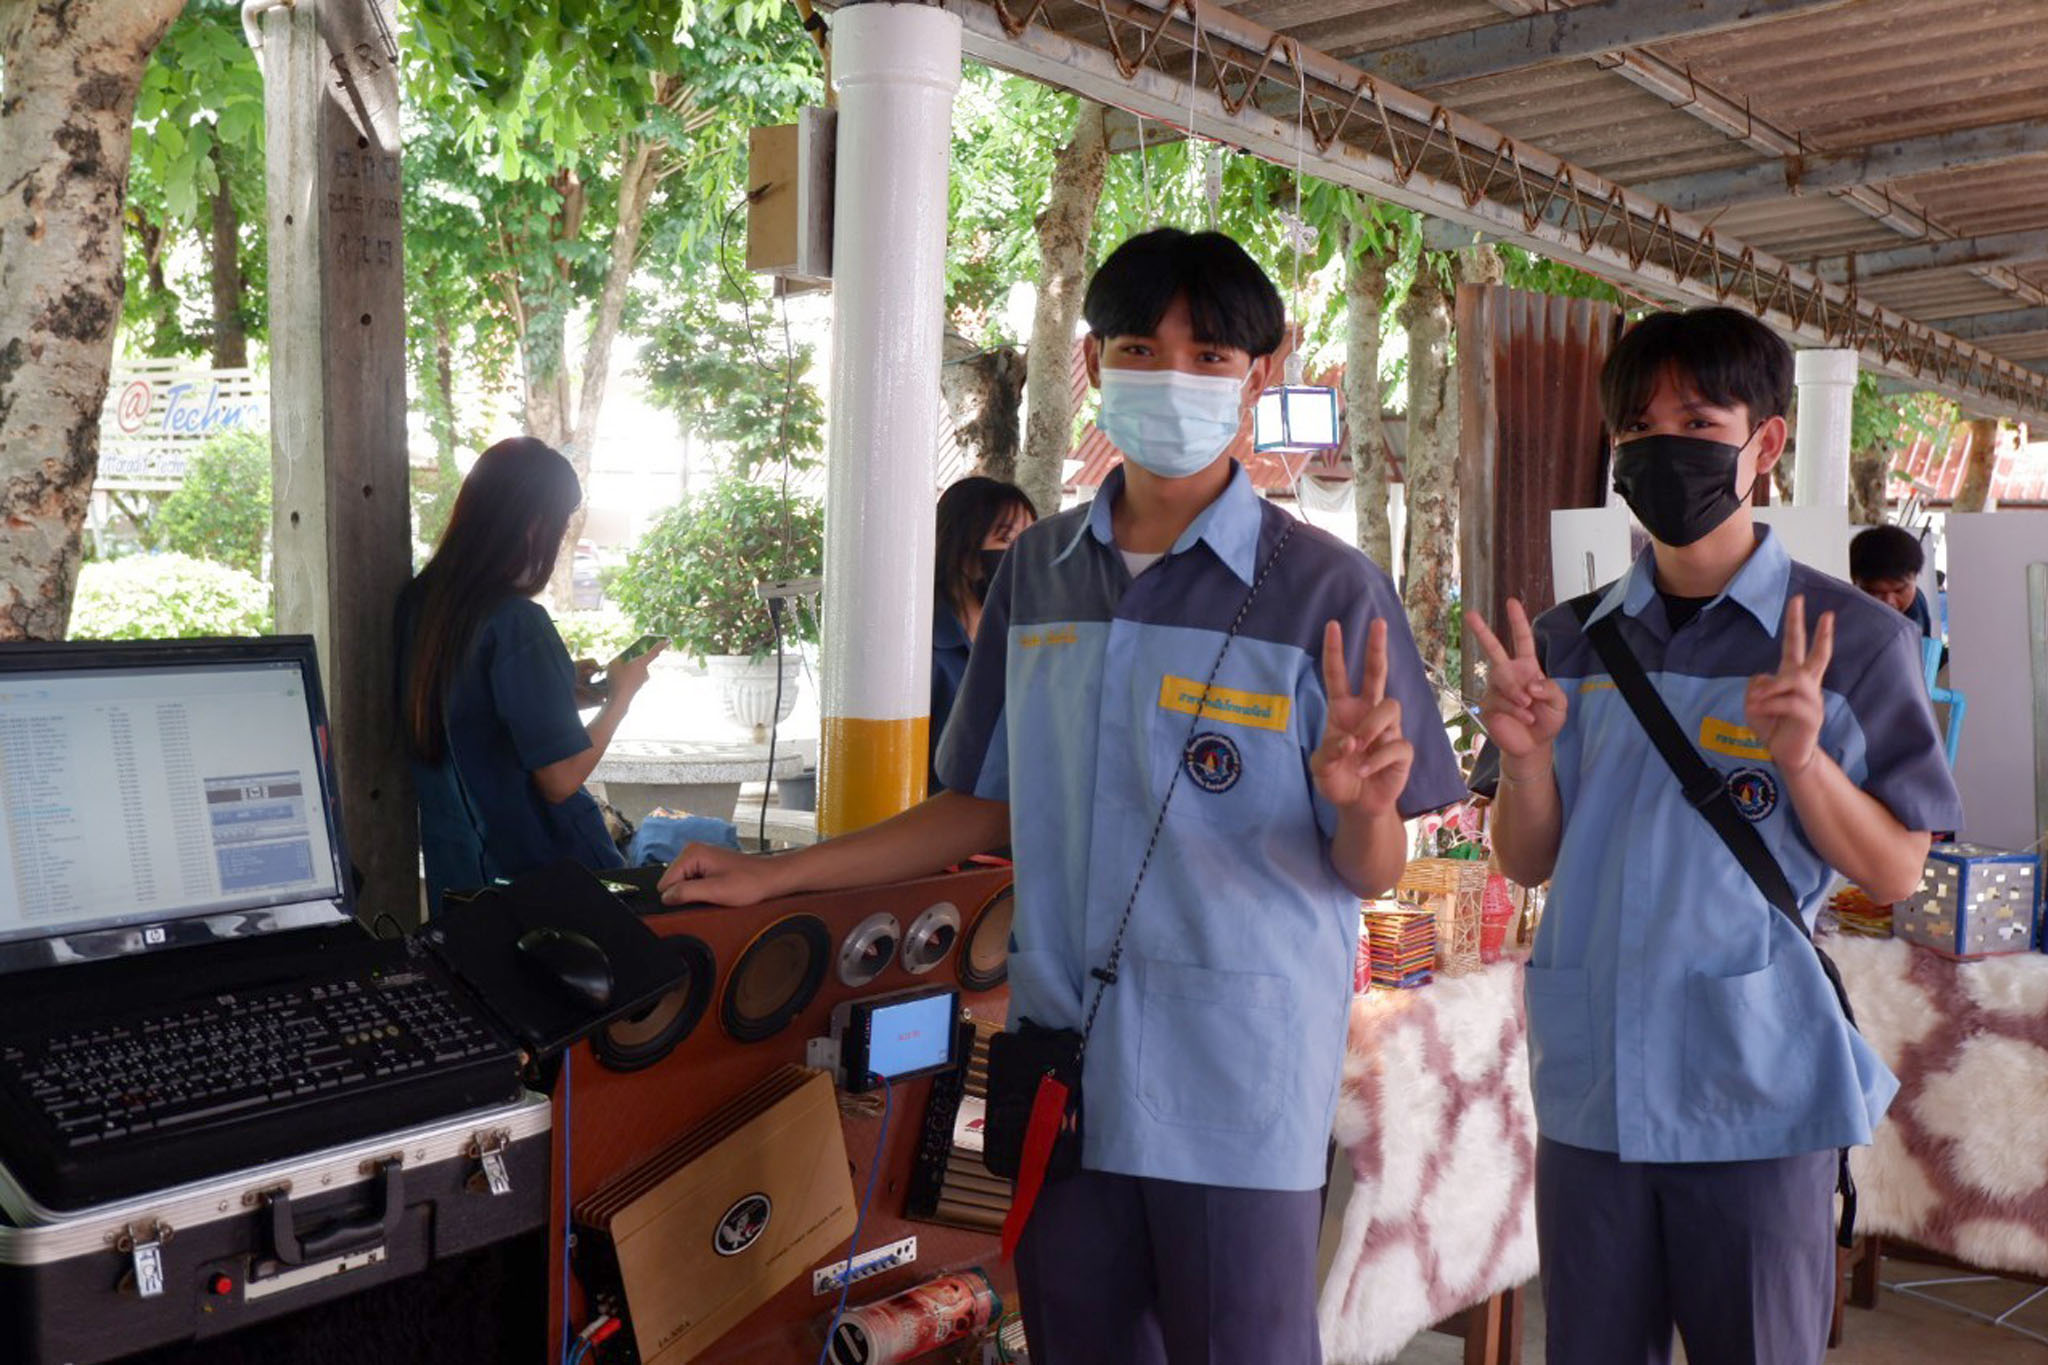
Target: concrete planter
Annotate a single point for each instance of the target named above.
(746, 690)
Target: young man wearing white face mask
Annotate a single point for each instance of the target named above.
(1250, 817)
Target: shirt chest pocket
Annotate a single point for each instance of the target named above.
(1230, 773)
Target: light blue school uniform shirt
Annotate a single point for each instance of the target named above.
(1216, 1056)
(1674, 1015)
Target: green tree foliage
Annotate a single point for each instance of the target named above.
(222, 510)
(198, 137)
(167, 597)
(1005, 131)
(565, 125)
(738, 381)
(692, 575)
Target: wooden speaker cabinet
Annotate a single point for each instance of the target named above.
(763, 981)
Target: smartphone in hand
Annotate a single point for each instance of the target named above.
(599, 681)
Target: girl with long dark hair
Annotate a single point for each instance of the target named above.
(488, 693)
(978, 518)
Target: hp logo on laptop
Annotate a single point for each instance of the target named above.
(155, 936)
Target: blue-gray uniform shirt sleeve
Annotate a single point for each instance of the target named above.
(1905, 761)
(973, 755)
(1434, 779)
(533, 688)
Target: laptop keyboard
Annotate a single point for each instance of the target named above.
(186, 1067)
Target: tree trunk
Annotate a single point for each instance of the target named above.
(224, 267)
(430, 515)
(983, 390)
(1064, 230)
(1431, 467)
(72, 75)
(1365, 295)
(1974, 494)
(639, 176)
(1868, 473)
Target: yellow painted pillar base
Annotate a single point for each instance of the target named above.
(869, 770)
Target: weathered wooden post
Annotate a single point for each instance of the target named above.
(342, 530)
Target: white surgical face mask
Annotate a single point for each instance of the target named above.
(1169, 422)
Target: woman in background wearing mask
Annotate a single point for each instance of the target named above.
(978, 518)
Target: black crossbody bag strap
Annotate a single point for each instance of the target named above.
(1707, 792)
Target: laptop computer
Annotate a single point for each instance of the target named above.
(185, 989)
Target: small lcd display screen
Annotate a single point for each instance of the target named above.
(910, 1035)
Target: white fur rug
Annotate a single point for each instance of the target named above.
(1436, 1119)
(1960, 1164)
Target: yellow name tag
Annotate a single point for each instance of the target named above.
(1596, 685)
(1051, 635)
(1260, 710)
(1737, 741)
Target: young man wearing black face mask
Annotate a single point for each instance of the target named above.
(1692, 1068)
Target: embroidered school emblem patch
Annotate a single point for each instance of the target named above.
(1213, 762)
(1755, 792)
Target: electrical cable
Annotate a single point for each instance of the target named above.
(1194, 74)
(568, 1170)
(853, 1247)
(775, 723)
(782, 444)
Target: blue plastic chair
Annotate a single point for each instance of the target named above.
(1958, 705)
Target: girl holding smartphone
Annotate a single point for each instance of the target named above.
(489, 697)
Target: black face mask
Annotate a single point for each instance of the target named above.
(1680, 487)
(991, 560)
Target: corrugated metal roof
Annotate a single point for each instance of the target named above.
(1837, 79)
(1764, 91)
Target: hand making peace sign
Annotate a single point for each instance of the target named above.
(1362, 762)
(1786, 708)
(1523, 709)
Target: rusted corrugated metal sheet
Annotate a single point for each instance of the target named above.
(1531, 433)
(2020, 478)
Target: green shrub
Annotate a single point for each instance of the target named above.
(222, 510)
(598, 635)
(692, 576)
(167, 597)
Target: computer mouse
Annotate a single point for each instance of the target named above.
(569, 961)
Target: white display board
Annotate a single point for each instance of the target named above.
(1579, 532)
(1990, 663)
(1815, 536)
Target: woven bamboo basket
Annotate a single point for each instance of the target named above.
(1454, 889)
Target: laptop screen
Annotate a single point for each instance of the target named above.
(149, 787)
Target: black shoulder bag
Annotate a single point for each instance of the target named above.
(1707, 792)
(1019, 1059)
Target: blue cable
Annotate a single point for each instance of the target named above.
(853, 1248)
(582, 1350)
(568, 1169)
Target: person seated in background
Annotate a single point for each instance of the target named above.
(488, 696)
(1886, 561)
(978, 519)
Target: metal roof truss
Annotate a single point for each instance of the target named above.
(1279, 100)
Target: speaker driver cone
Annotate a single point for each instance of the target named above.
(868, 949)
(775, 978)
(640, 1040)
(932, 935)
(985, 955)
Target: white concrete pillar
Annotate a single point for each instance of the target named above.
(1827, 384)
(896, 68)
